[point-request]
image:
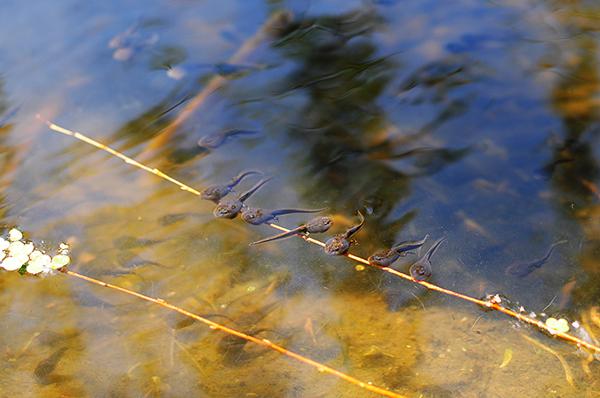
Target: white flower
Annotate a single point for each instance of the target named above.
(28, 248)
(14, 235)
(14, 263)
(557, 325)
(39, 264)
(4, 244)
(16, 248)
(35, 254)
(59, 261)
(34, 268)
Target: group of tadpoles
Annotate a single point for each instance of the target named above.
(337, 245)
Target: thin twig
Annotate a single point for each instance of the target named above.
(263, 342)
(213, 85)
(549, 304)
(482, 303)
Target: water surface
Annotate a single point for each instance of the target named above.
(473, 120)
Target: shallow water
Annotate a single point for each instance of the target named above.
(474, 120)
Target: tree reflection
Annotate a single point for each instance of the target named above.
(574, 167)
(345, 139)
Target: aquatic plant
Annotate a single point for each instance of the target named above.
(18, 254)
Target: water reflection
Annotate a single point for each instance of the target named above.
(350, 152)
(574, 167)
(351, 115)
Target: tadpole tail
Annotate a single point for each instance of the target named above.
(234, 132)
(255, 188)
(281, 212)
(352, 230)
(433, 248)
(282, 235)
(237, 179)
(539, 263)
(409, 245)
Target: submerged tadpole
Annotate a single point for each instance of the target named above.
(523, 269)
(339, 244)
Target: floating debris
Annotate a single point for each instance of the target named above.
(130, 42)
(180, 71)
(18, 255)
(508, 354)
(557, 325)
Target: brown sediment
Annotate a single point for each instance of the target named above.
(564, 364)
(213, 85)
(488, 304)
(263, 342)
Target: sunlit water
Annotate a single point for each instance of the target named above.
(473, 120)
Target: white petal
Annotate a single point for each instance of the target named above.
(14, 235)
(35, 267)
(16, 248)
(12, 263)
(59, 261)
(35, 254)
(28, 248)
(4, 244)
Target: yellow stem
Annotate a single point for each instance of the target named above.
(263, 342)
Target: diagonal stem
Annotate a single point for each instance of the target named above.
(483, 303)
(263, 342)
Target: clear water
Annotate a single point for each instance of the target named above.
(473, 120)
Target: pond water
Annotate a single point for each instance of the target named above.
(477, 121)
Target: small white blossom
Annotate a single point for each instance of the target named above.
(35, 254)
(16, 248)
(14, 235)
(28, 249)
(59, 261)
(39, 264)
(14, 263)
(557, 325)
(34, 268)
(15, 253)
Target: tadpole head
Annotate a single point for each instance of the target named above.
(227, 210)
(420, 271)
(325, 223)
(336, 246)
(251, 216)
(319, 225)
(210, 141)
(211, 193)
(377, 259)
